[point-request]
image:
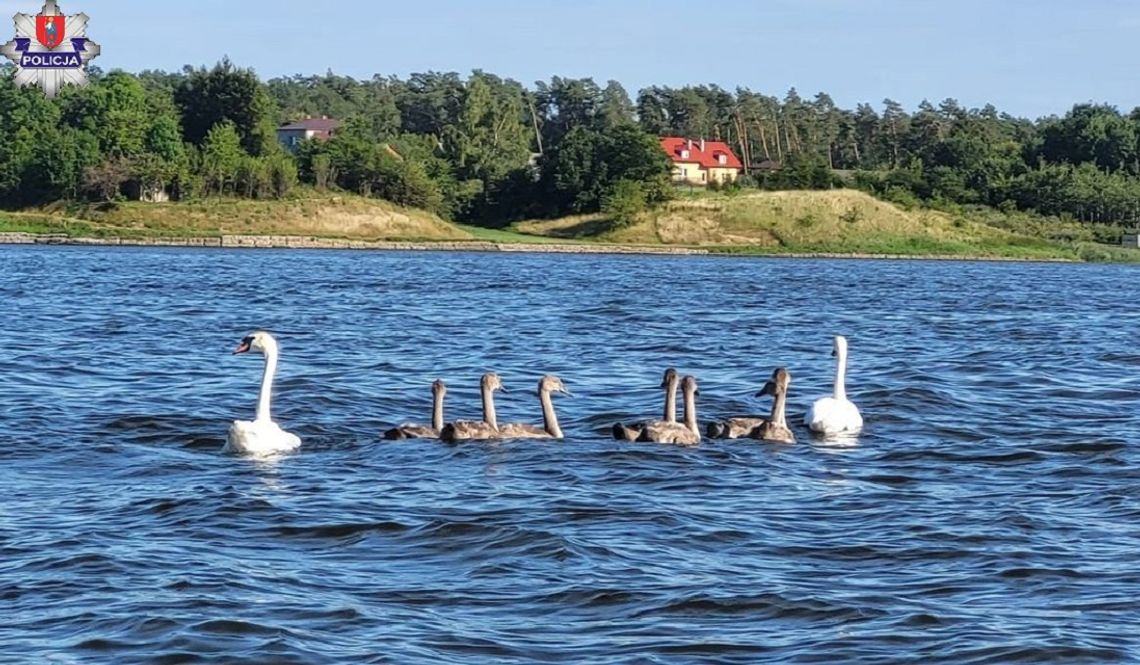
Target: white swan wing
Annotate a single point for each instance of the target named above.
(259, 437)
(828, 415)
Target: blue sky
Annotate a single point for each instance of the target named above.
(1027, 57)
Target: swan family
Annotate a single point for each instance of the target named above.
(829, 415)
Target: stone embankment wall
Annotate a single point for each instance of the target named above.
(303, 242)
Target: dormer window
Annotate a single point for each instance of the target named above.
(684, 154)
(722, 158)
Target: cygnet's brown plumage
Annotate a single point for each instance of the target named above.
(669, 382)
(488, 428)
(685, 434)
(550, 429)
(734, 428)
(775, 429)
(413, 431)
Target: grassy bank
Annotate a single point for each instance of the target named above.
(350, 217)
(844, 222)
(831, 222)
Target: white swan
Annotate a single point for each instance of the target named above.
(261, 436)
(835, 414)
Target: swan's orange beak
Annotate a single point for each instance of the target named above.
(243, 347)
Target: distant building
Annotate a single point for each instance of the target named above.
(1130, 240)
(701, 162)
(292, 134)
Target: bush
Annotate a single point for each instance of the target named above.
(623, 201)
(282, 174)
(106, 178)
(806, 221)
(852, 216)
(745, 180)
(902, 197)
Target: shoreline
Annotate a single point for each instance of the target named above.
(312, 242)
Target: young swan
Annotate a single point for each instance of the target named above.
(488, 428)
(669, 383)
(688, 433)
(775, 428)
(261, 436)
(413, 431)
(735, 428)
(550, 429)
(835, 413)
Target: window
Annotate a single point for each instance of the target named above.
(684, 154)
(704, 177)
(722, 158)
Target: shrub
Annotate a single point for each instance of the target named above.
(852, 216)
(623, 201)
(902, 197)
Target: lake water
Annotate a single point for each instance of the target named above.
(990, 511)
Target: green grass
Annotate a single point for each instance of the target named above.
(19, 222)
(513, 236)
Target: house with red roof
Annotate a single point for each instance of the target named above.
(292, 134)
(701, 162)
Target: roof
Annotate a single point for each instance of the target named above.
(313, 124)
(708, 158)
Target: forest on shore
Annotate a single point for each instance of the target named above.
(486, 150)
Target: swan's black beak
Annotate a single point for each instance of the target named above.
(768, 389)
(244, 346)
(833, 353)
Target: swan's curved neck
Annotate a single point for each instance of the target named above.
(549, 418)
(267, 384)
(691, 412)
(841, 373)
(778, 408)
(489, 416)
(671, 402)
(437, 411)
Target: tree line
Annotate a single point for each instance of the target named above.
(488, 150)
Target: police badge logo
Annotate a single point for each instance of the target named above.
(51, 50)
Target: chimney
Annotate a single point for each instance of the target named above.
(690, 145)
(324, 117)
(702, 145)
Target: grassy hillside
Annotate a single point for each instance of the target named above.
(836, 221)
(796, 222)
(343, 216)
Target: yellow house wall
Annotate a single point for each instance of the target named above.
(722, 174)
(693, 172)
(687, 172)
